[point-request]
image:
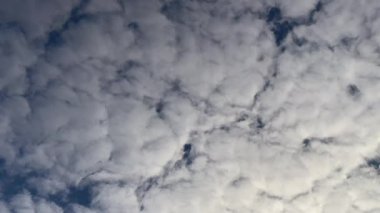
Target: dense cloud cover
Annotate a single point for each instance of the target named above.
(191, 106)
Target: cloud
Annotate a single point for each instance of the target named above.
(189, 106)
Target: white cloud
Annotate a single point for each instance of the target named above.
(97, 102)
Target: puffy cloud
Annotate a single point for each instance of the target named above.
(36, 18)
(189, 106)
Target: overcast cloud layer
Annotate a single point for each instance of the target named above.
(189, 106)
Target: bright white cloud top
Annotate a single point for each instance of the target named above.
(190, 106)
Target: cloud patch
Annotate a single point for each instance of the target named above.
(189, 106)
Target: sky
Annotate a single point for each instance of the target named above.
(189, 106)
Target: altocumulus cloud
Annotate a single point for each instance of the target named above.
(191, 106)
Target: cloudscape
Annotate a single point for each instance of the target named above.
(189, 106)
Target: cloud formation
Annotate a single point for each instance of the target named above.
(167, 106)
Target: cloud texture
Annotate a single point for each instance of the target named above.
(191, 106)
